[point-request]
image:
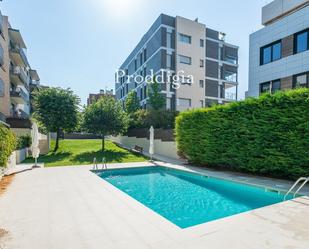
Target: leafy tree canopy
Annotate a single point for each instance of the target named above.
(56, 109)
(105, 117)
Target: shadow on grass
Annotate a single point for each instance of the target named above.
(110, 156)
(51, 157)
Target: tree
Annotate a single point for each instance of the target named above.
(156, 99)
(105, 117)
(57, 110)
(132, 103)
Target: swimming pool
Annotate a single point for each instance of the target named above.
(186, 198)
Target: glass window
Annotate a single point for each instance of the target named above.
(201, 43)
(265, 87)
(186, 81)
(266, 55)
(275, 86)
(1, 88)
(271, 53)
(168, 61)
(276, 53)
(202, 103)
(301, 42)
(169, 40)
(301, 81)
(145, 54)
(201, 63)
(184, 102)
(185, 38)
(201, 83)
(184, 59)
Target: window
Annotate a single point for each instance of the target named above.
(271, 53)
(184, 59)
(145, 55)
(275, 86)
(169, 40)
(301, 42)
(201, 63)
(186, 81)
(184, 102)
(265, 87)
(266, 55)
(201, 83)
(168, 61)
(276, 51)
(145, 91)
(135, 64)
(270, 87)
(141, 58)
(201, 43)
(301, 81)
(1, 88)
(202, 103)
(185, 38)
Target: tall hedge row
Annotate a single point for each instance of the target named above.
(268, 135)
(7, 144)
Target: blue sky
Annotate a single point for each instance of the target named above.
(80, 43)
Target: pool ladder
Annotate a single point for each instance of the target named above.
(301, 179)
(95, 164)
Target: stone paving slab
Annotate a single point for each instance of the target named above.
(70, 207)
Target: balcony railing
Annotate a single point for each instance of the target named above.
(20, 51)
(2, 117)
(19, 71)
(19, 93)
(18, 113)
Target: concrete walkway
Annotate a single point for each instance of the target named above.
(72, 208)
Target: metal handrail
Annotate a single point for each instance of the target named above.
(305, 179)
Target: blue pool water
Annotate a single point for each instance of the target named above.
(185, 198)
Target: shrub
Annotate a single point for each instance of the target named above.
(7, 144)
(156, 118)
(23, 142)
(268, 135)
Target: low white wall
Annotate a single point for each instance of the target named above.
(21, 155)
(168, 149)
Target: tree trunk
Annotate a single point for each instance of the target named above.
(57, 140)
(103, 143)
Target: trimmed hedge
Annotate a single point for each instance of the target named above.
(268, 135)
(7, 144)
(23, 142)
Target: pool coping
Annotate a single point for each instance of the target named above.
(71, 207)
(182, 168)
(199, 227)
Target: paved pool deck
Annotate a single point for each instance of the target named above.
(72, 208)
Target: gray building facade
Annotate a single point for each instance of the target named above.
(279, 52)
(174, 46)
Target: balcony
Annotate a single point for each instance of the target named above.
(19, 76)
(1, 56)
(228, 92)
(19, 96)
(18, 56)
(18, 113)
(2, 117)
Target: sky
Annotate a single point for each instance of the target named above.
(80, 43)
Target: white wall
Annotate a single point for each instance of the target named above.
(284, 67)
(167, 149)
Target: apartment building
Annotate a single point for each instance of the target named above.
(93, 97)
(16, 77)
(279, 52)
(179, 46)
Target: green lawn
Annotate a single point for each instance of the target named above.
(81, 152)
